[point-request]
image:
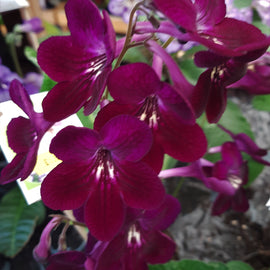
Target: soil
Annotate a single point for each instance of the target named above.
(198, 235)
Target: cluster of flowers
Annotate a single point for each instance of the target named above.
(110, 175)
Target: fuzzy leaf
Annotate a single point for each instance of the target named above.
(182, 265)
(18, 221)
(238, 265)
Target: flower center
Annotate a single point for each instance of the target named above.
(94, 67)
(149, 112)
(235, 181)
(104, 166)
(134, 239)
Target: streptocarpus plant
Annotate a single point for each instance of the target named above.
(110, 175)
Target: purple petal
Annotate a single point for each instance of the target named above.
(98, 87)
(42, 252)
(75, 144)
(163, 216)
(159, 248)
(172, 102)
(21, 134)
(222, 40)
(104, 211)
(67, 260)
(61, 60)
(231, 155)
(209, 13)
(222, 186)
(86, 31)
(221, 204)
(13, 170)
(182, 12)
(217, 102)
(200, 93)
(65, 99)
(20, 96)
(183, 142)
(132, 83)
(240, 201)
(154, 158)
(67, 186)
(140, 186)
(126, 137)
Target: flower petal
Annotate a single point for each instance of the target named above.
(221, 204)
(75, 144)
(126, 137)
(86, 31)
(182, 12)
(65, 99)
(12, 171)
(20, 96)
(222, 40)
(159, 248)
(68, 260)
(140, 186)
(240, 201)
(163, 216)
(209, 13)
(21, 134)
(183, 142)
(67, 186)
(132, 83)
(61, 59)
(104, 211)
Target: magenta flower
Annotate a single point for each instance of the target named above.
(102, 172)
(137, 90)
(257, 79)
(246, 144)
(140, 241)
(205, 22)
(235, 170)
(227, 177)
(24, 136)
(42, 251)
(80, 63)
(222, 71)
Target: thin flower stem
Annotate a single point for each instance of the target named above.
(68, 220)
(168, 42)
(15, 59)
(180, 184)
(128, 35)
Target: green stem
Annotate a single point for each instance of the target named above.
(15, 59)
(128, 35)
(180, 184)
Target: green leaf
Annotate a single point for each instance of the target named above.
(18, 221)
(261, 103)
(51, 29)
(218, 266)
(238, 265)
(135, 54)
(31, 55)
(234, 120)
(242, 3)
(168, 162)
(47, 83)
(182, 265)
(254, 169)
